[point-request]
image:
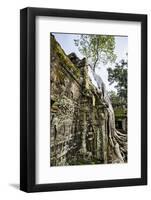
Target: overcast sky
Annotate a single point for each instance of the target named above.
(121, 48)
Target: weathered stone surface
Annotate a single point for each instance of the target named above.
(81, 118)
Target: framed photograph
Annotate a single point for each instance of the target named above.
(83, 99)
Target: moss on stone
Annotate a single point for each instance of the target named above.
(63, 58)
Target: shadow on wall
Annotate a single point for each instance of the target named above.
(15, 185)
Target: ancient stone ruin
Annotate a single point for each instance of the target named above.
(82, 118)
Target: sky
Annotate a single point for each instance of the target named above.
(121, 48)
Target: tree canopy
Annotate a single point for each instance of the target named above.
(96, 48)
(118, 75)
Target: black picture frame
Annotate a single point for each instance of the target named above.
(28, 99)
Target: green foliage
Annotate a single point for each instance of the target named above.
(119, 105)
(115, 99)
(118, 75)
(97, 48)
(120, 112)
